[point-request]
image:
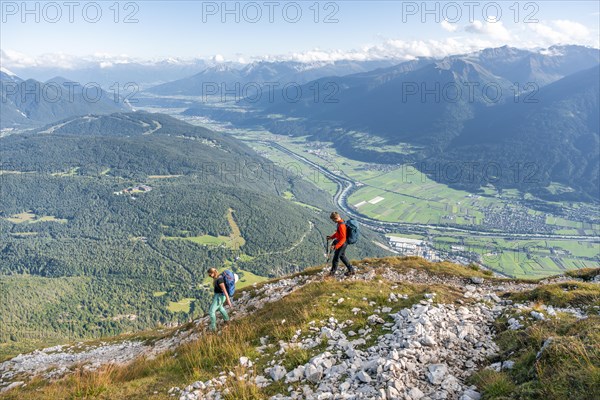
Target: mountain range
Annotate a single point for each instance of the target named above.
(442, 110)
(30, 103)
(281, 72)
(107, 73)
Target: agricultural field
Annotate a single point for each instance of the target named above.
(163, 176)
(583, 249)
(396, 206)
(247, 278)
(374, 143)
(527, 258)
(234, 241)
(23, 234)
(579, 249)
(72, 172)
(407, 235)
(10, 172)
(29, 217)
(182, 305)
(409, 195)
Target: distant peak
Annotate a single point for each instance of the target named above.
(7, 72)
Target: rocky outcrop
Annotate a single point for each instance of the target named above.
(427, 352)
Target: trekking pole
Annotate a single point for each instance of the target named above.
(328, 252)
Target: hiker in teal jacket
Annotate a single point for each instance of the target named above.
(220, 297)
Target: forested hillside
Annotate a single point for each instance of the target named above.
(108, 224)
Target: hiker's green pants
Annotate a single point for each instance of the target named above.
(217, 304)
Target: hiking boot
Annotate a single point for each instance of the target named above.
(330, 275)
(350, 273)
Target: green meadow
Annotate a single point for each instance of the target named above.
(31, 218)
(234, 241)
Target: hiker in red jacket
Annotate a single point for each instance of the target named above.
(339, 245)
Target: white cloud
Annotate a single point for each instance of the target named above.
(480, 35)
(466, 38)
(561, 31)
(447, 26)
(15, 59)
(475, 27)
(577, 30)
(495, 30)
(397, 49)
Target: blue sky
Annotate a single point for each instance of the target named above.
(356, 29)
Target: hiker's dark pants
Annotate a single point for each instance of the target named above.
(340, 254)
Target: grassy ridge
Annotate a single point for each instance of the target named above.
(199, 360)
(569, 368)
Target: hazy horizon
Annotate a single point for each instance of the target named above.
(151, 31)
